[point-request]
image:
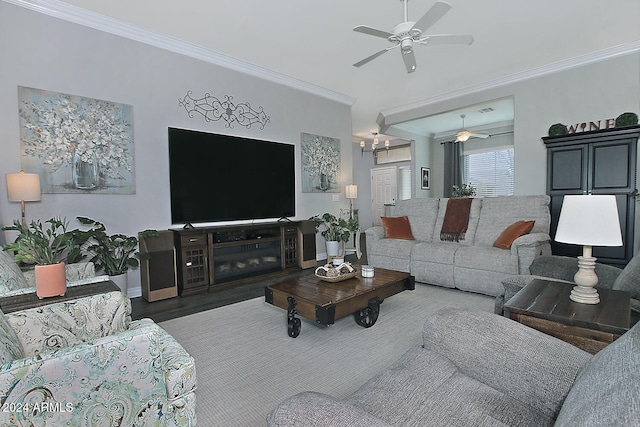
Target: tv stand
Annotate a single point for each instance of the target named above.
(214, 257)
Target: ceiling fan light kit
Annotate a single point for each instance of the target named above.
(464, 135)
(406, 33)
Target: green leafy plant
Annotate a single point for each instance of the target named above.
(334, 229)
(626, 119)
(37, 244)
(114, 254)
(465, 190)
(557, 129)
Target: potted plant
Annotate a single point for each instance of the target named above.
(334, 230)
(113, 254)
(465, 190)
(48, 248)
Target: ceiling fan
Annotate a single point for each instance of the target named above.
(464, 135)
(405, 34)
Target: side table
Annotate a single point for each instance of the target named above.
(31, 300)
(545, 305)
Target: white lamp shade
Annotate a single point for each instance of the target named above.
(23, 187)
(351, 191)
(590, 220)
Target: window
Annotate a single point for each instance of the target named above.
(404, 183)
(490, 171)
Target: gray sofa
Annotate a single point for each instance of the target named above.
(473, 264)
(481, 369)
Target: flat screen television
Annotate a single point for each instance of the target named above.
(223, 178)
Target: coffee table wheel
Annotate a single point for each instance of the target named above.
(367, 316)
(293, 327)
(293, 323)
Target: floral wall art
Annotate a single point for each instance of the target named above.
(76, 144)
(320, 164)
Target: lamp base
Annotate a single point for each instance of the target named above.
(586, 279)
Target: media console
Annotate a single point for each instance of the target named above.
(212, 256)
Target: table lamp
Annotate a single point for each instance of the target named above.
(351, 192)
(23, 187)
(588, 220)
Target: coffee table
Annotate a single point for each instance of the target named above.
(545, 305)
(325, 302)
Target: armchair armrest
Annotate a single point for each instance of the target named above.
(492, 349)
(178, 366)
(75, 272)
(89, 379)
(311, 409)
(68, 323)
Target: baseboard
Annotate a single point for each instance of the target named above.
(134, 292)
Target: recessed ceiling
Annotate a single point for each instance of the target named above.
(477, 117)
(314, 41)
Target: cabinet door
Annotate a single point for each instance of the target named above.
(607, 166)
(567, 169)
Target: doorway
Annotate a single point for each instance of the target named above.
(384, 188)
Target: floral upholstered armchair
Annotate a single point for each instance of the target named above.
(84, 362)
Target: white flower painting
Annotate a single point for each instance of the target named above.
(320, 164)
(76, 144)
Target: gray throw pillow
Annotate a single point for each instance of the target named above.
(629, 278)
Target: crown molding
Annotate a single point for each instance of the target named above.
(77, 15)
(578, 61)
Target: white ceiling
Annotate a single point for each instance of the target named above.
(314, 41)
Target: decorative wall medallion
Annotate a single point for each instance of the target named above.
(214, 109)
(76, 144)
(320, 164)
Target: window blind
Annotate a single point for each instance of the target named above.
(490, 172)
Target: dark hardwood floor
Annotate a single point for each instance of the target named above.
(180, 306)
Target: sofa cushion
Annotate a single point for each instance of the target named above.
(441, 253)
(422, 215)
(500, 212)
(512, 232)
(629, 278)
(474, 215)
(487, 258)
(424, 388)
(605, 391)
(11, 278)
(397, 227)
(10, 348)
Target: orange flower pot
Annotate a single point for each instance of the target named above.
(51, 280)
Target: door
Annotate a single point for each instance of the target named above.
(384, 190)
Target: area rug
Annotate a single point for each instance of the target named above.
(246, 363)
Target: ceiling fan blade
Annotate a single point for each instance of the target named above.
(446, 39)
(369, 58)
(409, 61)
(479, 135)
(437, 11)
(372, 31)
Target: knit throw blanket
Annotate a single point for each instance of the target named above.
(456, 219)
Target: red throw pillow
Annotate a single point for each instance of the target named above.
(512, 232)
(397, 227)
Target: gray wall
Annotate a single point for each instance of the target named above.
(590, 92)
(43, 52)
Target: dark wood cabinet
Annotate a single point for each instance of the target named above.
(595, 162)
(213, 256)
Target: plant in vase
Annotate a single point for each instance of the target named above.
(465, 190)
(334, 230)
(48, 248)
(113, 254)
